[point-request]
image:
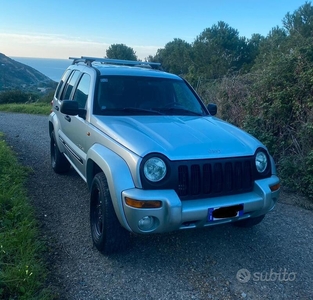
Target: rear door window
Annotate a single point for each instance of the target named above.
(61, 83)
(70, 85)
(82, 91)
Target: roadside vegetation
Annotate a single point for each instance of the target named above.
(28, 108)
(22, 271)
(23, 102)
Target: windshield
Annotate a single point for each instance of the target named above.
(134, 95)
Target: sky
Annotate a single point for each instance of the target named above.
(64, 28)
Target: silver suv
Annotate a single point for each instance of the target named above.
(153, 155)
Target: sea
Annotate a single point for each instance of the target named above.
(51, 67)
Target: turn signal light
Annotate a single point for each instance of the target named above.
(275, 187)
(143, 203)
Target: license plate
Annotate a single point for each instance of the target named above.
(220, 213)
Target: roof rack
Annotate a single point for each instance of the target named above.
(89, 60)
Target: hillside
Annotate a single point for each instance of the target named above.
(15, 75)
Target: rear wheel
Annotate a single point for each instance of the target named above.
(249, 222)
(59, 163)
(107, 233)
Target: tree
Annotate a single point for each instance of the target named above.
(253, 50)
(271, 48)
(121, 51)
(300, 22)
(175, 57)
(219, 50)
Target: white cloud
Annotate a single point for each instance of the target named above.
(60, 46)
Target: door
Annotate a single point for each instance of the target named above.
(75, 128)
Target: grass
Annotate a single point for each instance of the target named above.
(22, 271)
(39, 108)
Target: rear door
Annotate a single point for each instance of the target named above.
(57, 101)
(64, 93)
(75, 128)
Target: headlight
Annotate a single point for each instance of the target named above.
(261, 161)
(154, 169)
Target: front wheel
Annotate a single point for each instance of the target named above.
(59, 163)
(247, 223)
(107, 233)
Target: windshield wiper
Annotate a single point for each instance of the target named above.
(180, 109)
(138, 109)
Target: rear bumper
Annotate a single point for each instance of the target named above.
(176, 214)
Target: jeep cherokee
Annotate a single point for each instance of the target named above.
(154, 157)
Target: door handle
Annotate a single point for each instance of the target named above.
(56, 108)
(67, 118)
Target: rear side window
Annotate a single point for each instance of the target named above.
(82, 91)
(69, 85)
(61, 84)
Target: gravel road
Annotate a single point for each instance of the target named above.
(274, 260)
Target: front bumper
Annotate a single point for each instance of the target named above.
(176, 214)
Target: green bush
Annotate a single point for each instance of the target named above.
(17, 96)
(307, 185)
(22, 102)
(47, 98)
(274, 103)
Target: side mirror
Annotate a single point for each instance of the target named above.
(70, 107)
(212, 108)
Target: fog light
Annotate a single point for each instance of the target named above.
(146, 223)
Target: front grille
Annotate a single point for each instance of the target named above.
(212, 178)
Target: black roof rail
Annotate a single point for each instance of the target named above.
(89, 60)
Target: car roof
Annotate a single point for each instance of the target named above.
(132, 71)
(123, 67)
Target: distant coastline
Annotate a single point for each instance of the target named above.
(53, 68)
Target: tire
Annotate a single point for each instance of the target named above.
(247, 223)
(59, 163)
(107, 233)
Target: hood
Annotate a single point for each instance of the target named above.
(178, 137)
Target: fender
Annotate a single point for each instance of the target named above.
(274, 170)
(54, 124)
(117, 173)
